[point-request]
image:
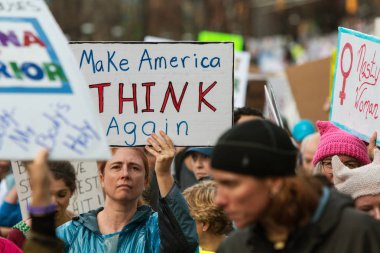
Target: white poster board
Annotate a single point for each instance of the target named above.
(242, 60)
(44, 102)
(356, 91)
(88, 196)
(182, 88)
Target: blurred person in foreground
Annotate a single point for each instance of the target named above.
(125, 224)
(362, 184)
(277, 210)
(212, 223)
(333, 141)
(42, 237)
(62, 187)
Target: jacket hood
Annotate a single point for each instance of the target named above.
(333, 210)
(89, 220)
(314, 233)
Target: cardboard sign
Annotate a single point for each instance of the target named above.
(182, 88)
(356, 91)
(44, 102)
(88, 196)
(242, 60)
(310, 87)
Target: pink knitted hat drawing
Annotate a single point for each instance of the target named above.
(335, 141)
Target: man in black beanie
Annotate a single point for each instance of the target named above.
(254, 149)
(275, 209)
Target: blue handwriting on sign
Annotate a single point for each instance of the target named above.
(7, 121)
(74, 136)
(79, 137)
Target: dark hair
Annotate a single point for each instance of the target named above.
(64, 170)
(246, 111)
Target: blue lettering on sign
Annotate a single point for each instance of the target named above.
(131, 129)
(160, 62)
(7, 120)
(77, 137)
(97, 65)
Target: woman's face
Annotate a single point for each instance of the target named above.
(60, 194)
(348, 161)
(369, 204)
(123, 178)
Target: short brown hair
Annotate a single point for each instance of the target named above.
(200, 198)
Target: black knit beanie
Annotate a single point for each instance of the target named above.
(258, 148)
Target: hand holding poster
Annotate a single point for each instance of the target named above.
(356, 89)
(43, 100)
(182, 88)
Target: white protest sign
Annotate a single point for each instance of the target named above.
(182, 88)
(88, 195)
(242, 60)
(356, 90)
(241, 70)
(44, 102)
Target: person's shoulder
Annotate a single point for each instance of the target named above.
(358, 221)
(236, 241)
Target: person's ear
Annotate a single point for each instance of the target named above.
(205, 226)
(274, 184)
(101, 178)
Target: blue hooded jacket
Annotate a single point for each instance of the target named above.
(170, 230)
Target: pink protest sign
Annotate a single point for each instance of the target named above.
(356, 90)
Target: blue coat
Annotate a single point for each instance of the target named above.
(170, 230)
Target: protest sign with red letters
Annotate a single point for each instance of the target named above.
(356, 91)
(182, 88)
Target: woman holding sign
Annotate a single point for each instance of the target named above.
(125, 224)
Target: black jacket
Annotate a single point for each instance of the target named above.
(340, 229)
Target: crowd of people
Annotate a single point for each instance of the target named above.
(261, 188)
